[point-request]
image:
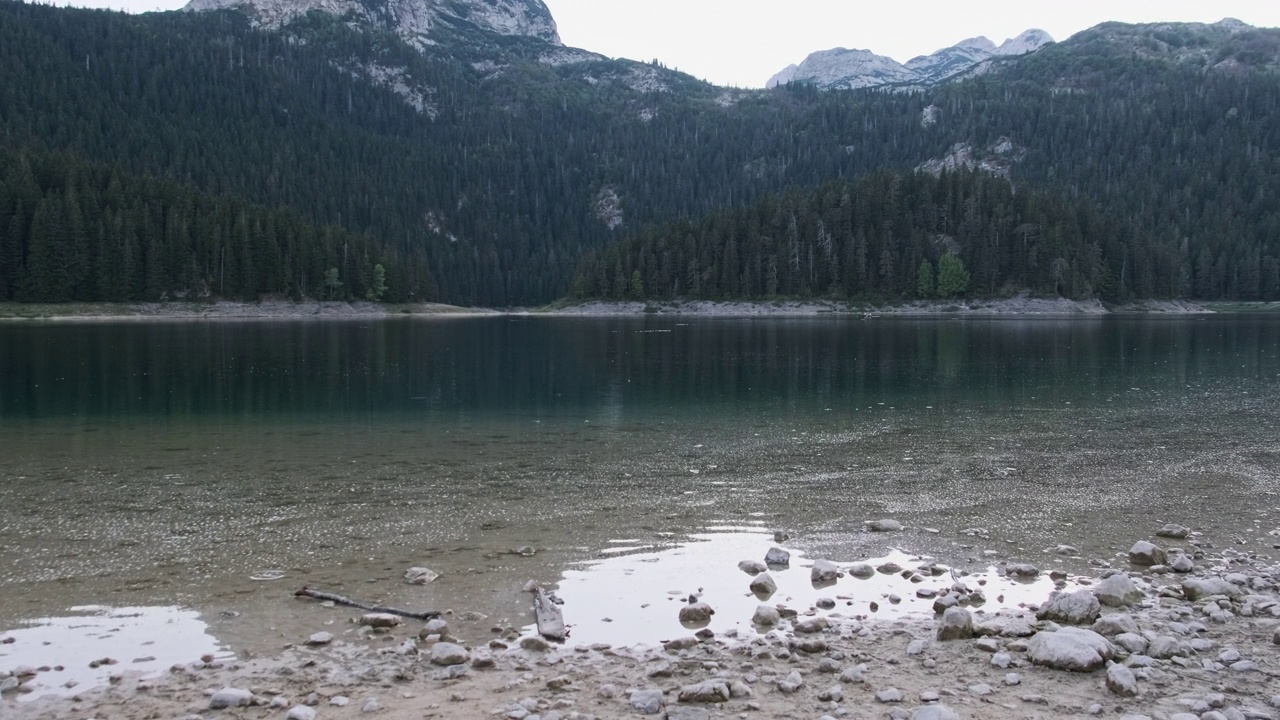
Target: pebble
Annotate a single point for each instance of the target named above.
(752, 567)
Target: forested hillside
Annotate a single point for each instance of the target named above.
(493, 164)
(886, 236)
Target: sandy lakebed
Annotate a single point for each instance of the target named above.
(1189, 628)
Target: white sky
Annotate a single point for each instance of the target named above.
(744, 42)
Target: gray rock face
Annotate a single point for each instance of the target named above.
(1069, 648)
(708, 691)
(646, 702)
(823, 572)
(1145, 554)
(448, 654)
(777, 556)
(230, 698)
(1120, 681)
(764, 585)
(766, 615)
(1118, 591)
(301, 712)
(1077, 608)
(956, 624)
(934, 712)
(1200, 588)
(886, 525)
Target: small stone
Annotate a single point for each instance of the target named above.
(1145, 554)
(646, 702)
(1077, 608)
(763, 585)
(420, 576)
(320, 638)
(339, 701)
(608, 691)
(987, 644)
(371, 706)
(934, 712)
(482, 659)
(1117, 591)
(1002, 660)
(862, 571)
(301, 712)
(835, 694)
(777, 556)
(766, 615)
(683, 643)
(752, 567)
(854, 675)
(956, 624)
(447, 654)
(698, 613)
(981, 689)
(533, 643)
(381, 620)
(823, 571)
(884, 526)
(889, 695)
(1182, 564)
(1121, 681)
(793, 682)
(810, 626)
(1012, 679)
(1174, 531)
(230, 698)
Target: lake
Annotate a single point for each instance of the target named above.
(193, 475)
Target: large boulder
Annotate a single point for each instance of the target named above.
(1118, 591)
(956, 624)
(1074, 649)
(1146, 554)
(1077, 608)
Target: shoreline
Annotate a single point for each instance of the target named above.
(1196, 630)
(1021, 307)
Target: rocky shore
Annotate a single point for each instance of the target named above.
(227, 310)
(1015, 307)
(1177, 630)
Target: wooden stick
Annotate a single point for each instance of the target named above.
(550, 619)
(340, 600)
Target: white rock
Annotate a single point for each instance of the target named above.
(301, 712)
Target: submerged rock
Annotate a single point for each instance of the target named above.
(777, 556)
(696, 613)
(886, 525)
(752, 567)
(766, 615)
(420, 576)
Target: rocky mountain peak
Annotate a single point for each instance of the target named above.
(413, 20)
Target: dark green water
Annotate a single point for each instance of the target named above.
(168, 463)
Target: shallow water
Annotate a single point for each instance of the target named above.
(167, 464)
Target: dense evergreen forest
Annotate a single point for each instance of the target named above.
(892, 236)
(478, 173)
(79, 232)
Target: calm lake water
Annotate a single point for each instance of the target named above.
(175, 468)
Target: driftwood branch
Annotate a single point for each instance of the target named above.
(550, 619)
(340, 600)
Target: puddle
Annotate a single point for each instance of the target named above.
(146, 640)
(635, 598)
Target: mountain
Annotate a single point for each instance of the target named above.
(413, 20)
(852, 69)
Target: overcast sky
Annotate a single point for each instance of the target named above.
(744, 42)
